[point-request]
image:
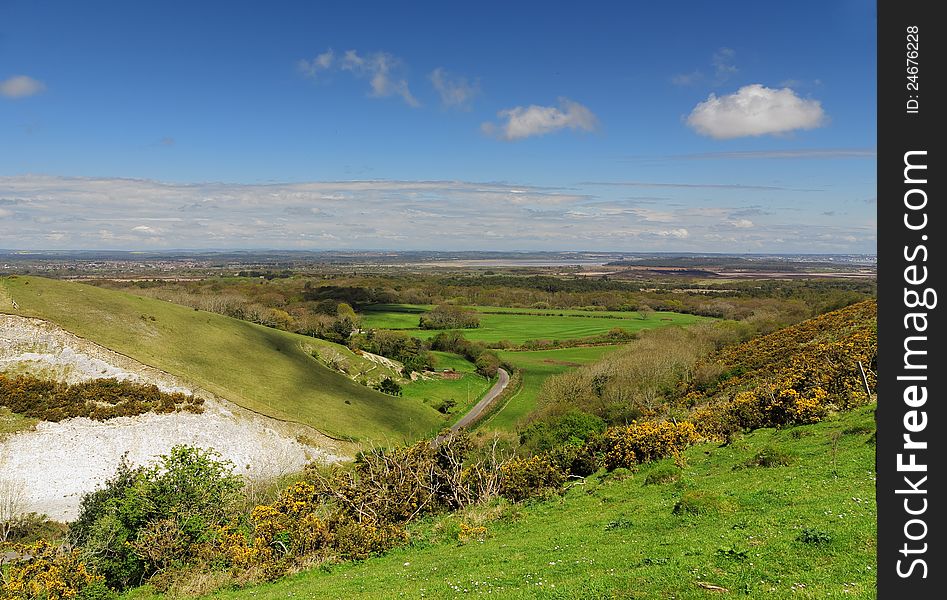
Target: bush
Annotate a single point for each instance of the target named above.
(98, 399)
(644, 442)
(523, 478)
(446, 406)
(488, 364)
(574, 460)
(148, 519)
(572, 428)
(51, 573)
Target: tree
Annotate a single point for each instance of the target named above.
(388, 386)
(445, 316)
(488, 364)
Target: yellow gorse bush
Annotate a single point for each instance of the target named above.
(49, 573)
(796, 375)
(643, 442)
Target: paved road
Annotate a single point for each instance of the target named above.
(485, 402)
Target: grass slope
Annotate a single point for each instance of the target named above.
(263, 369)
(537, 366)
(505, 324)
(623, 539)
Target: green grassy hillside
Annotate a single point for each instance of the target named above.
(805, 529)
(266, 370)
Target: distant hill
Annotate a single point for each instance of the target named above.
(272, 372)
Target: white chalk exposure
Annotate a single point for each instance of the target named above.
(59, 462)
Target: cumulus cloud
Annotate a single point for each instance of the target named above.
(523, 122)
(742, 223)
(455, 92)
(755, 110)
(20, 86)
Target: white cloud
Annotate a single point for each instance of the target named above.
(755, 110)
(456, 92)
(322, 62)
(21, 86)
(378, 68)
(523, 122)
(93, 213)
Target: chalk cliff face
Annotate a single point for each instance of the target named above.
(56, 463)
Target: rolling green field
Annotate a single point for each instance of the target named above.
(806, 530)
(504, 324)
(465, 391)
(266, 370)
(536, 367)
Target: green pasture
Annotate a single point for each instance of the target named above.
(506, 324)
(536, 367)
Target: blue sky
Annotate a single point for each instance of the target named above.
(685, 126)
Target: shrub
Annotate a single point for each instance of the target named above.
(98, 399)
(147, 519)
(574, 460)
(645, 442)
(572, 428)
(523, 478)
(488, 364)
(51, 573)
(446, 406)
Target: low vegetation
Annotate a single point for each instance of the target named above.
(98, 399)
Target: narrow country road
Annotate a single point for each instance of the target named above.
(481, 406)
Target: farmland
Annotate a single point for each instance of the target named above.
(521, 325)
